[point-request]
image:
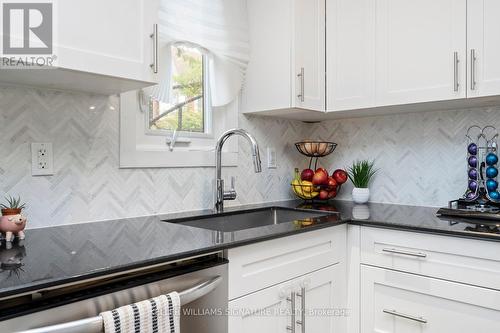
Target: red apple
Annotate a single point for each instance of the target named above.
(323, 170)
(307, 174)
(320, 178)
(323, 195)
(340, 176)
(332, 184)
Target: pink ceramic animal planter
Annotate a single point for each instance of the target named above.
(12, 225)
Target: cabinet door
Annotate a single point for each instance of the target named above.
(483, 42)
(350, 54)
(268, 78)
(421, 50)
(107, 37)
(265, 311)
(309, 54)
(398, 302)
(321, 299)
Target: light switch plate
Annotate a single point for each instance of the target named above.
(42, 159)
(271, 158)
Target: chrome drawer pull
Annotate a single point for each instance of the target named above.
(301, 76)
(473, 69)
(291, 299)
(302, 321)
(402, 315)
(406, 253)
(456, 84)
(154, 37)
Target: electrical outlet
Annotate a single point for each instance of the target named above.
(42, 159)
(271, 158)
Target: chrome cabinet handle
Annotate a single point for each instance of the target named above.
(456, 85)
(472, 69)
(154, 37)
(405, 253)
(406, 316)
(302, 321)
(291, 299)
(301, 76)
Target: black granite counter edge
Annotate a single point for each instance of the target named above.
(160, 260)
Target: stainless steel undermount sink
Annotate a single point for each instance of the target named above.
(247, 219)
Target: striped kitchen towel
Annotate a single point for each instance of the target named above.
(156, 315)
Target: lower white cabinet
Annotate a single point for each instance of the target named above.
(310, 303)
(397, 302)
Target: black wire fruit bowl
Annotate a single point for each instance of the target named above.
(315, 148)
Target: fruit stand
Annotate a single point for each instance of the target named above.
(317, 183)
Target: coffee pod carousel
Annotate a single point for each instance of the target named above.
(482, 161)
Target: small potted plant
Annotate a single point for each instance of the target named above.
(12, 206)
(360, 174)
(12, 223)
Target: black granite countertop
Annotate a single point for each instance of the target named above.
(56, 255)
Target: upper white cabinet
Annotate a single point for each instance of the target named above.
(109, 37)
(420, 51)
(380, 53)
(483, 41)
(268, 83)
(350, 54)
(309, 54)
(101, 47)
(287, 60)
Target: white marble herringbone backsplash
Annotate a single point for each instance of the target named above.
(421, 157)
(89, 186)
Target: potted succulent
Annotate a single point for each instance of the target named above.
(12, 223)
(12, 206)
(360, 174)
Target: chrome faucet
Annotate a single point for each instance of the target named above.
(219, 193)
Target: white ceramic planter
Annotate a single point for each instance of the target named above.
(360, 195)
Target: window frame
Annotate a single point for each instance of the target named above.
(139, 150)
(207, 107)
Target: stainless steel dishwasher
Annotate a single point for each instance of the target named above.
(201, 283)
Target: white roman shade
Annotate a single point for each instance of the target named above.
(218, 26)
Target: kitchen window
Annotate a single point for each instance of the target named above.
(178, 109)
(187, 108)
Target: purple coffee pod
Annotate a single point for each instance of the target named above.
(472, 149)
(472, 161)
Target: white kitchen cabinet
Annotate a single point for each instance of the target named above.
(321, 297)
(309, 54)
(350, 54)
(469, 261)
(260, 265)
(287, 60)
(265, 311)
(398, 302)
(483, 27)
(101, 46)
(108, 37)
(420, 51)
(271, 309)
(268, 78)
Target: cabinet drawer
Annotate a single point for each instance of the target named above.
(464, 260)
(405, 303)
(257, 266)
